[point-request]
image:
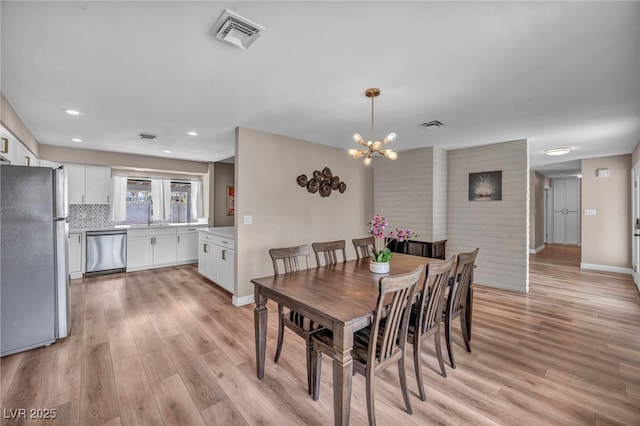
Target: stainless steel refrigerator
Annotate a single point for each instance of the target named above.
(35, 307)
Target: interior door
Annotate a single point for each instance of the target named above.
(566, 211)
(635, 228)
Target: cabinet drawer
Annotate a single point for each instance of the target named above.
(151, 231)
(189, 229)
(218, 240)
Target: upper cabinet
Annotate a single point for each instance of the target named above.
(15, 152)
(88, 184)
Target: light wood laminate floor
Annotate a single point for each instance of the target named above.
(167, 347)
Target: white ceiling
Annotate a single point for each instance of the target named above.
(556, 73)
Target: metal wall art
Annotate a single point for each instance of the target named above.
(322, 182)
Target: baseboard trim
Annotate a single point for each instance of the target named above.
(606, 268)
(241, 301)
(536, 250)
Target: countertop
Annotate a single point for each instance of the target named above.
(112, 227)
(222, 231)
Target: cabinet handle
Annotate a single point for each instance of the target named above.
(4, 149)
(82, 199)
(151, 240)
(191, 229)
(205, 248)
(27, 161)
(225, 242)
(178, 238)
(224, 255)
(79, 241)
(107, 199)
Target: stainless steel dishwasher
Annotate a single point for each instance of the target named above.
(106, 252)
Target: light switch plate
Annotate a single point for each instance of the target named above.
(589, 212)
(247, 219)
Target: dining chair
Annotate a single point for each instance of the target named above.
(292, 258)
(329, 252)
(363, 246)
(378, 345)
(456, 301)
(426, 316)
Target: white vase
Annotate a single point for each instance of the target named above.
(379, 267)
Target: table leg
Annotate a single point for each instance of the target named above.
(342, 374)
(260, 322)
(469, 302)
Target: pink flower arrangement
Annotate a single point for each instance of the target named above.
(381, 252)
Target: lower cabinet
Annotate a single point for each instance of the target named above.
(216, 260)
(75, 254)
(156, 247)
(187, 249)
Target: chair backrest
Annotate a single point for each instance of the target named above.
(431, 299)
(462, 276)
(363, 246)
(329, 252)
(290, 257)
(400, 288)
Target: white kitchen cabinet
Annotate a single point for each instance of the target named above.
(216, 258)
(151, 248)
(88, 184)
(76, 263)
(187, 249)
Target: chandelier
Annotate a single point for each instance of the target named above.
(372, 147)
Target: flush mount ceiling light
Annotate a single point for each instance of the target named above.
(236, 30)
(558, 151)
(371, 146)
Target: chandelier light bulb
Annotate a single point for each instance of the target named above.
(390, 137)
(357, 138)
(390, 154)
(367, 160)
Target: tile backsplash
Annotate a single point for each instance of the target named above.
(88, 215)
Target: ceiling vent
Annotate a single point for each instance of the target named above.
(147, 136)
(434, 124)
(236, 30)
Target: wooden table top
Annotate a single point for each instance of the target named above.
(344, 293)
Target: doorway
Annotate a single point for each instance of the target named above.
(564, 211)
(635, 227)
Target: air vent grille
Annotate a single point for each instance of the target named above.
(236, 30)
(433, 124)
(147, 136)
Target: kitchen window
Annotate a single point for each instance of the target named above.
(140, 204)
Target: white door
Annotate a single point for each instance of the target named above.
(635, 228)
(187, 247)
(75, 182)
(566, 211)
(97, 180)
(139, 252)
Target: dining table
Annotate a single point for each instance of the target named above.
(341, 297)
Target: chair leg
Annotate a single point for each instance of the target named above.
(447, 335)
(436, 339)
(465, 330)
(309, 372)
(402, 372)
(280, 332)
(371, 408)
(315, 373)
(417, 367)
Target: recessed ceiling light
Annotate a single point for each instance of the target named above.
(72, 112)
(558, 151)
(166, 151)
(192, 133)
(76, 140)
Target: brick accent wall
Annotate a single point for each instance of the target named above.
(499, 228)
(403, 190)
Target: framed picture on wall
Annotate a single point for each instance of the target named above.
(485, 186)
(231, 200)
